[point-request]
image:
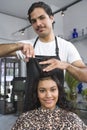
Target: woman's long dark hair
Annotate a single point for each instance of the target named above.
(32, 101)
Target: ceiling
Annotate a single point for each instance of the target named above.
(19, 8)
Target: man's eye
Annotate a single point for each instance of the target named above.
(42, 17)
(33, 21)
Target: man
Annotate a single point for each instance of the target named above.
(41, 19)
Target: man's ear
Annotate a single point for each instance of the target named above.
(52, 18)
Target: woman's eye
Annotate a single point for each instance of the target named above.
(53, 90)
(42, 91)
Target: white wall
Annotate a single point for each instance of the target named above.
(75, 17)
(58, 26)
(9, 25)
(82, 48)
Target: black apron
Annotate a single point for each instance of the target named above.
(35, 70)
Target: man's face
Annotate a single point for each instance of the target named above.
(48, 93)
(41, 22)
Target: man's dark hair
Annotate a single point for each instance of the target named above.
(43, 5)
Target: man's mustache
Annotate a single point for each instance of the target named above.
(39, 27)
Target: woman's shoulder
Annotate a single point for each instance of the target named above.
(31, 112)
(71, 118)
(67, 113)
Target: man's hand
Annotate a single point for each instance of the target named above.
(28, 51)
(53, 64)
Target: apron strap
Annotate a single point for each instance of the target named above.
(56, 50)
(35, 42)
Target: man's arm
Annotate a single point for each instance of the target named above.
(9, 49)
(77, 69)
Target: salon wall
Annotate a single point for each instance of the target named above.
(9, 26)
(75, 17)
(82, 47)
(58, 26)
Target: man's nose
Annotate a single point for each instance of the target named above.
(38, 22)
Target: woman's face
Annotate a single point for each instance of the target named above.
(48, 93)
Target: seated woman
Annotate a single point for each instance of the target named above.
(49, 108)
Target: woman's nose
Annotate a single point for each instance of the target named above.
(48, 94)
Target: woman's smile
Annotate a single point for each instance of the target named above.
(48, 93)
